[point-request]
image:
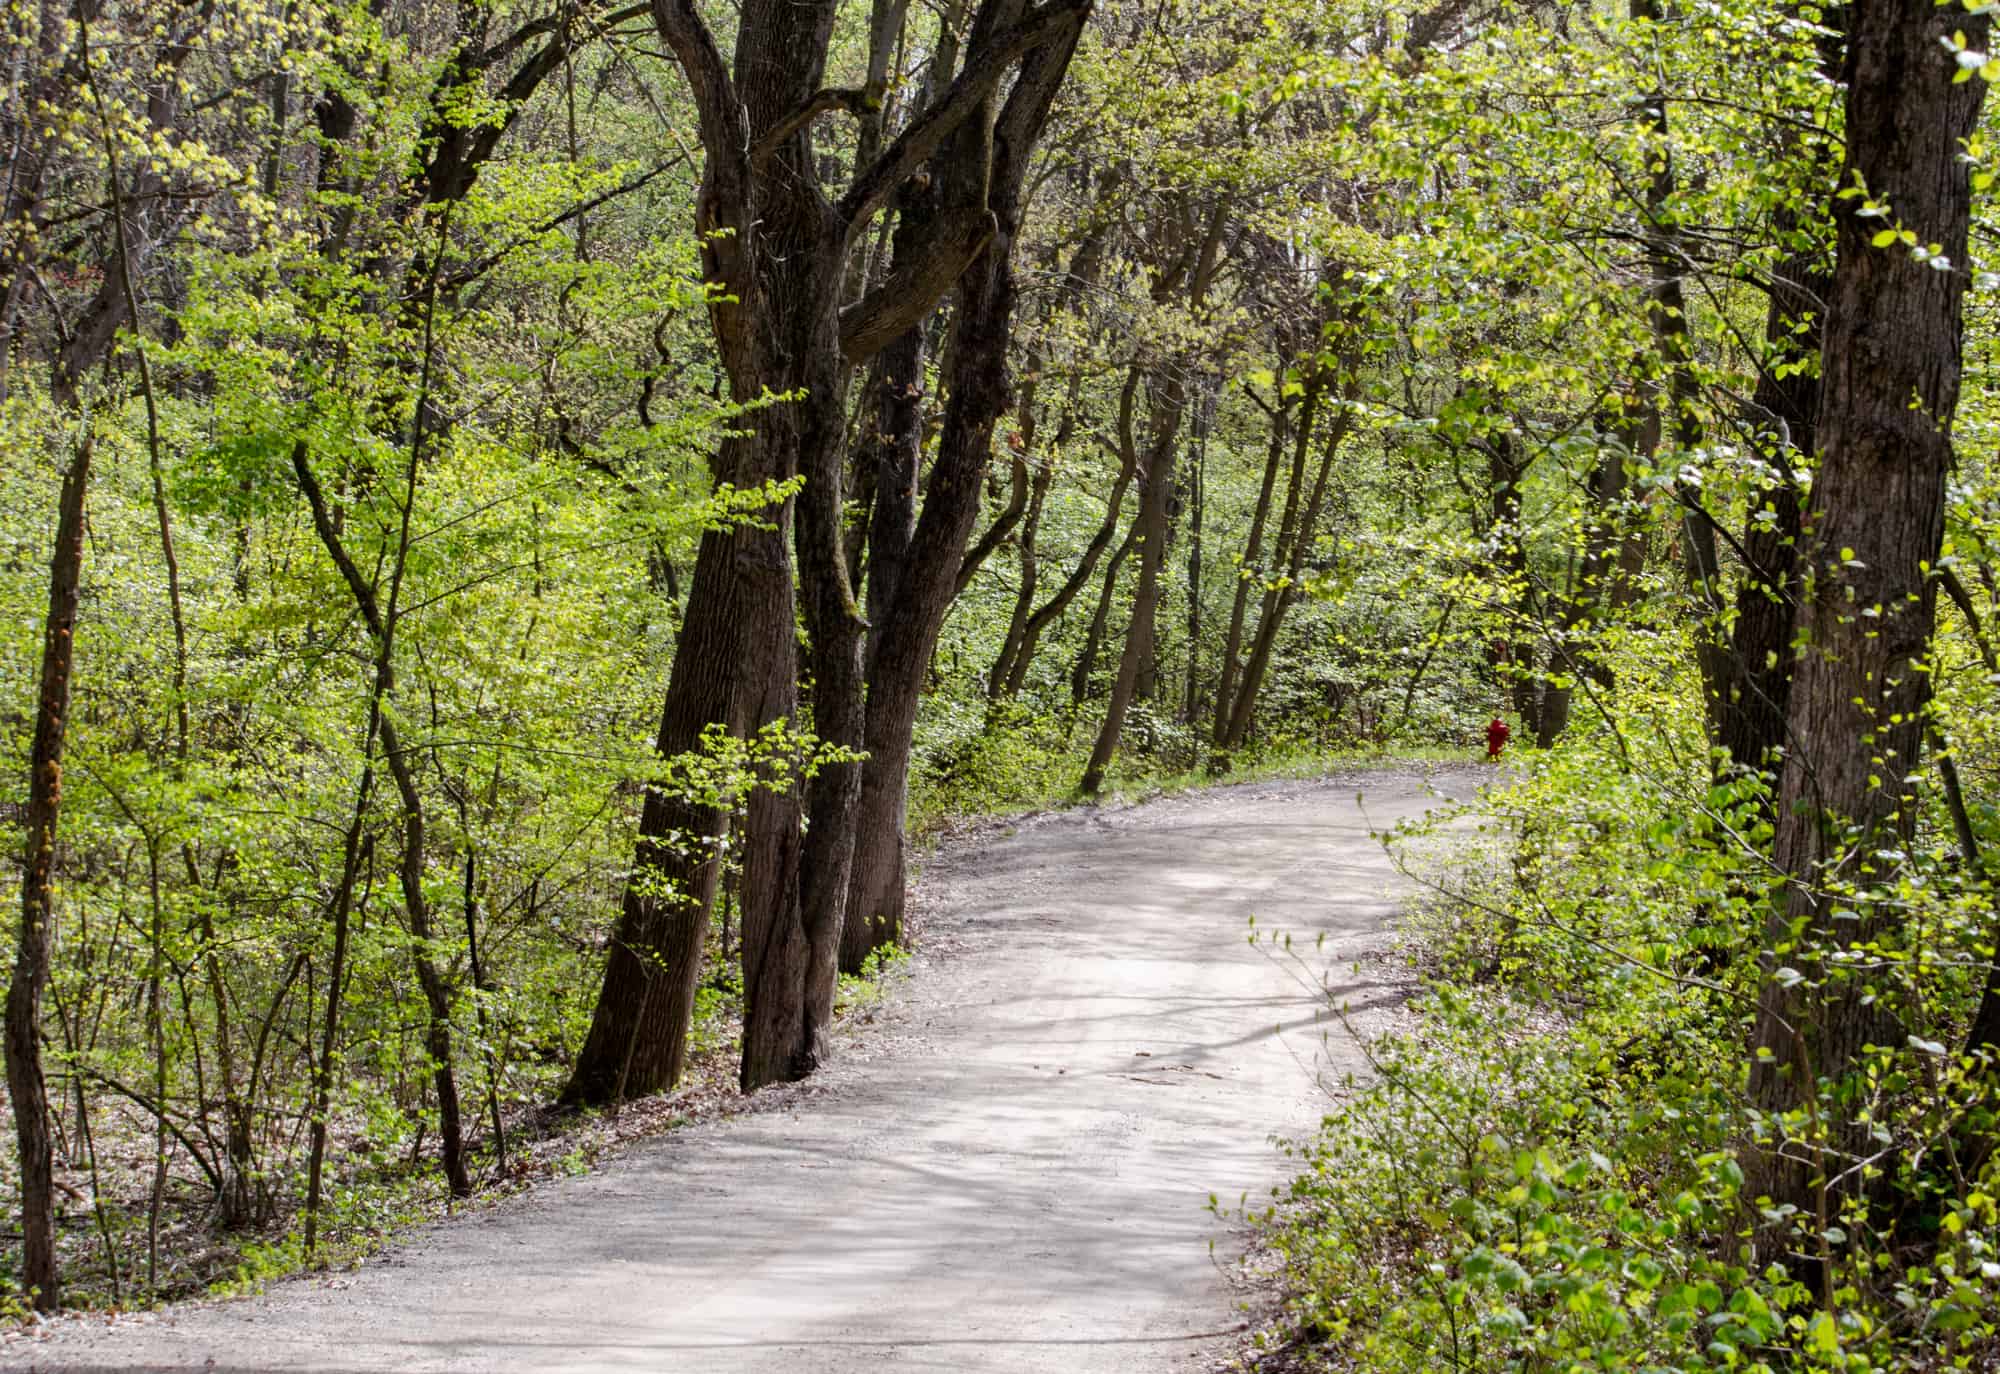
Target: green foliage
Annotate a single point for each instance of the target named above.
(1543, 1172)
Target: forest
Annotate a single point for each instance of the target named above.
(518, 517)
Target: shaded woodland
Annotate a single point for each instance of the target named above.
(516, 514)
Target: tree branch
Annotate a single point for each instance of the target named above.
(912, 290)
(856, 100)
(983, 71)
(725, 132)
(364, 594)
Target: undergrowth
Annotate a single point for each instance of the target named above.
(1545, 1169)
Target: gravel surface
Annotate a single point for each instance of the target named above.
(1009, 1169)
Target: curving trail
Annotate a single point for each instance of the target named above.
(1011, 1173)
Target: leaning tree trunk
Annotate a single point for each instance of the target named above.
(907, 631)
(1855, 718)
(26, 1088)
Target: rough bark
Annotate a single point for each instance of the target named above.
(1855, 718)
(779, 249)
(979, 387)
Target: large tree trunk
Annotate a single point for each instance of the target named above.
(1855, 717)
(26, 1089)
(905, 637)
(795, 887)
(639, 1032)
(1506, 467)
(778, 248)
(907, 628)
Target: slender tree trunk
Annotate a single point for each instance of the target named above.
(1085, 668)
(437, 996)
(1855, 716)
(1029, 586)
(1197, 500)
(1249, 573)
(1156, 491)
(27, 1090)
(1294, 539)
(1149, 530)
(1015, 675)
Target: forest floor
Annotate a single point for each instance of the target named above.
(1010, 1166)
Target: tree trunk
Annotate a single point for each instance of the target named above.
(1294, 538)
(1750, 714)
(906, 636)
(1248, 572)
(1156, 483)
(26, 1089)
(1085, 667)
(1156, 492)
(437, 996)
(1197, 500)
(638, 1036)
(1855, 717)
(1011, 672)
(778, 248)
(1030, 584)
(906, 632)
(1750, 717)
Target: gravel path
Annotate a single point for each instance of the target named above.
(1011, 1170)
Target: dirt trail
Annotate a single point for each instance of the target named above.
(1011, 1173)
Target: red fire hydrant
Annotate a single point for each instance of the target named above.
(1496, 738)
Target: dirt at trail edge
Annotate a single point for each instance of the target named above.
(1009, 1171)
